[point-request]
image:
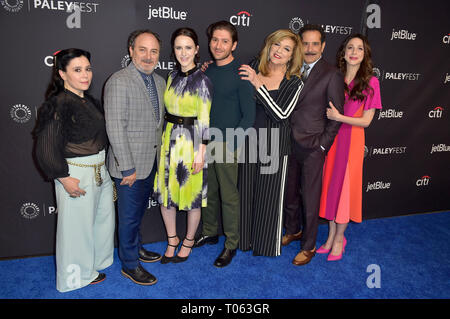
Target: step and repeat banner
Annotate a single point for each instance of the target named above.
(407, 145)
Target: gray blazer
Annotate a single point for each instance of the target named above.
(133, 131)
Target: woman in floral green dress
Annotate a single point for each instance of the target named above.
(181, 181)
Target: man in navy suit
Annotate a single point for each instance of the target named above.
(312, 136)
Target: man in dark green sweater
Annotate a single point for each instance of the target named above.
(233, 106)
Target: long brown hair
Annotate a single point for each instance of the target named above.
(296, 62)
(365, 72)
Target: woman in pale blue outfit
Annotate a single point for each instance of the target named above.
(70, 149)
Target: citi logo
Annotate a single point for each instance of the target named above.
(403, 35)
(241, 18)
(436, 113)
(423, 181)
(166, 13)
(446, 39)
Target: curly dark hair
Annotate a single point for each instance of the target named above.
(365, 71)
(61, 60)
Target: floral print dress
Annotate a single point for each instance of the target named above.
(188, 94)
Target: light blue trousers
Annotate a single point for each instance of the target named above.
(85, 228)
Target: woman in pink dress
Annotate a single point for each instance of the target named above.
(341, 199)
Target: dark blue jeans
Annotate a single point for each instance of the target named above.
(132, 203)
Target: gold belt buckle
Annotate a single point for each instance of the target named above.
(98, 176)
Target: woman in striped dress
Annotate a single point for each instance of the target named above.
(276, 78)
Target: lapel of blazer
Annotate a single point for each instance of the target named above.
(313, 77)
(137, 78)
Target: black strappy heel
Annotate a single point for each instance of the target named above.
(165, 259)
(178, 259)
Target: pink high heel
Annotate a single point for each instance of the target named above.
(322, 250)
(338, 257)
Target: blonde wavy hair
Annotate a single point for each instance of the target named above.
(296, 61)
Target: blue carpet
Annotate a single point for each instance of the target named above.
(412, 254)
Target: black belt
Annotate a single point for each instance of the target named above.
(179, 119)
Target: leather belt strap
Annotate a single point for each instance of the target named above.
(179, 119)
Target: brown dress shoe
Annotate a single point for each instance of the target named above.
(288, 238)
(304, 257)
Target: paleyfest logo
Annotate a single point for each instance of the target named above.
(31, 210)
(162, 65)
(20, 113)
(67, 6)
(402, 76)
(296, 24)
(12, 5)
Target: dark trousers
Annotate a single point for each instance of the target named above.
(223, 195)
(303, 189)
(132, 202)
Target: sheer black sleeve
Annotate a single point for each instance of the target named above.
(50, 149)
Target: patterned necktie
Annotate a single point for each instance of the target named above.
(151, 87)
(305, 72)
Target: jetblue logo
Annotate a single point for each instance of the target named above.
(166, 13)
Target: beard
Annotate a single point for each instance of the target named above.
(221, 56)
(145, 65)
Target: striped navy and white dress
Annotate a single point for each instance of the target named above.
(261, 184)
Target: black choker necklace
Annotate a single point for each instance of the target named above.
(189, 72)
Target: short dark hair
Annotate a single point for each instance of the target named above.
(313, 27)
(133, 35)
(223, 24)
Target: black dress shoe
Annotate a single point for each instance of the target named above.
(100, 278)
(225, 257)
(148, 256)
(205, 239)
(140, 276)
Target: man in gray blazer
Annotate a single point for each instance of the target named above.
(134, 109)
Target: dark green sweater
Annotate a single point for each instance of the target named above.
(233, 103)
